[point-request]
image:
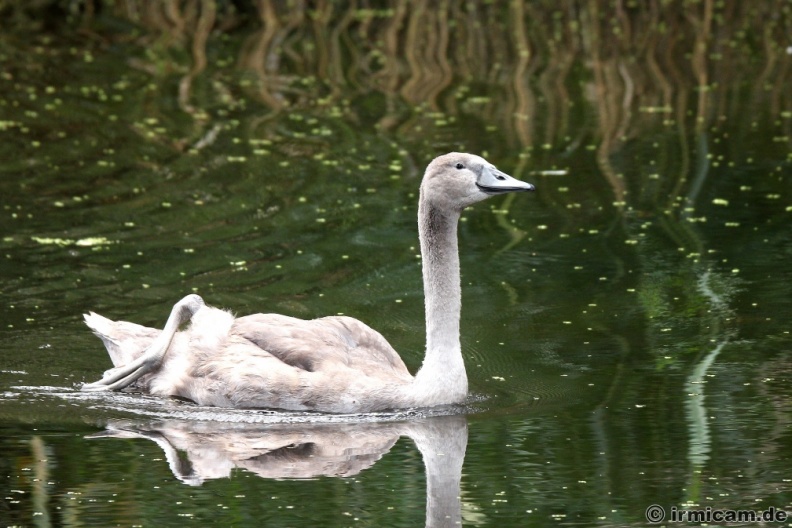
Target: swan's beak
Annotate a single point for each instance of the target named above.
(492, 181)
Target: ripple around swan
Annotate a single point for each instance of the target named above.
(97, 407)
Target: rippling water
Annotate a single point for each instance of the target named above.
(625, 328)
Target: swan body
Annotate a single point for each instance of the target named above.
(331, 364)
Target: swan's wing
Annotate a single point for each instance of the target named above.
(323, 344)
(242, 374)
(124, 341)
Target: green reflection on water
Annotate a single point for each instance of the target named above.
(272, 165)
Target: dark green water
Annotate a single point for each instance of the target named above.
(626, 328)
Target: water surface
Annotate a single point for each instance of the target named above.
(625, 328)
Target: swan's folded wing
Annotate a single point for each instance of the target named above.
(124, 341)
(323, 344)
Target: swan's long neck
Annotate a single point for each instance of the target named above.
(442, 378)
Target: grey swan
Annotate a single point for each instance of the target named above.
(332, 364)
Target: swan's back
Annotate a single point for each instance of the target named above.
(276, 361)
(322, 344)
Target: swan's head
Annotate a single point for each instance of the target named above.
(457, 180)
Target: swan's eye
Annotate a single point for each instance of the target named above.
(460, 166)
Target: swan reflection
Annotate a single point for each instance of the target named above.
(200, 451)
